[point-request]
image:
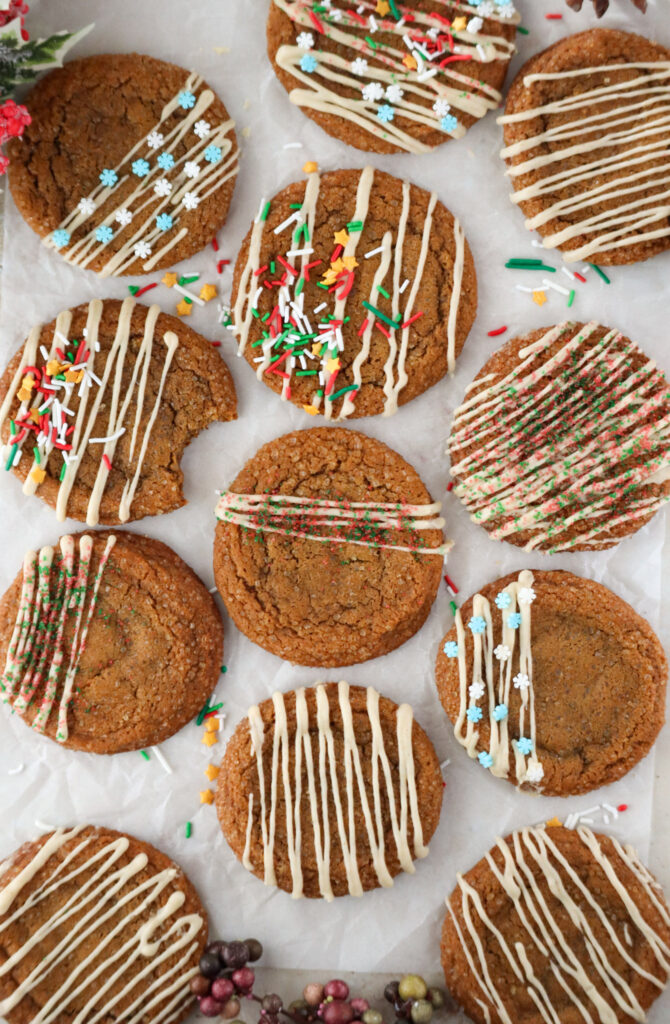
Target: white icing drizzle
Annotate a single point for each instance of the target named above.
(109, 393)
(110, 902)
(315, 756)
(584, 424)
(264, 512)
(496, 676)
(37, 650)
(578, 128)
(421, 86)
(210, 178)
(289, 301)
(590, 981)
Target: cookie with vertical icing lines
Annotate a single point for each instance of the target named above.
(355, 777)
(354, 292)
(562, 442)
(392, 77)
(329, 549)
(97, 408)
(552, 682)
(108, 642)
(96, 925)
(128, 165)
(586, 145)
(556, 926)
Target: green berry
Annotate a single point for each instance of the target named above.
(372, 1017)
(436, 997)
(412, 986)
(422, 1012)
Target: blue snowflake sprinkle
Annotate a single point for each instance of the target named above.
(165, 161)
(385, 113)
(514, 620)
(474, 714)
(477, 624)
(308, 63)
(500, 712)
(451, 649)
(186, 100)
(213, 154)
(485, 759)
(449, 123)
(60, 237)
(503, 600)
(104, 233)
(108, 177)
(164, 221)
(525, 745)
(141, 168)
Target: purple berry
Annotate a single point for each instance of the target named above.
(255, 949)
(200, 985)
(337, 989)
(243, 979)
(222, 989)
(359, 1006)
(210, 1007)
(209, 965)
(337, 1012)
(271, 1004)
(235, 954)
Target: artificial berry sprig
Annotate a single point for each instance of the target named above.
(225, 978)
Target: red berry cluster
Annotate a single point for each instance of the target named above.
(13, 120)
(16, 9)
(224, 977)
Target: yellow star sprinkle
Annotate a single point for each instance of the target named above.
(350, 262)
(382, 7)
(553, 823)
(74, 376)
(169, 280)
(184, 308)
(208, 291)
(539, 298)
(211, 771)
(206, 796)
(23, 394)
(209, 739)
(409, 61)
(212, 724)
(38, 475)
(332, 365)
(459, 24)
(35, 415)
(341, 237)
(54, 366)
(310, 167)
(316, 348)
(311, 409)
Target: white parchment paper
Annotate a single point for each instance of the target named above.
(389, 930)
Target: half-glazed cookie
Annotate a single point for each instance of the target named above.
(556, 926)
(353, 293)
(552, 682)
(562, 443)
(128, 164)
(109, 642)
(329, 791)
(98, 406)
(587, 143)
(96, 926)
(328, 549)
(392, 77)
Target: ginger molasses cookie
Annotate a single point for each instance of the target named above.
(329, 791)
(96, 925)
(98, 406)
(128, 165)
(587, 143)
(562, 442)
(393, 77)
(552, 682)
(353, 293)
(556, 926)
(109, 642)
(329, 548)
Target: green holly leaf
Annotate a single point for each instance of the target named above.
(22, 60)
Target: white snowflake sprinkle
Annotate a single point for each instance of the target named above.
(202, 128)
(155, 140)
(123, 217)
(441, 107)
(336, 14)
(475, 24)
(86, 206)
(476, 690)
(190, 200)
(191, 169)
(305, 40)
(486, 9)
(502, 652)
(534, 772)
(373, 91)
(359, 66)
(163, 187)
(526, 595)
(142, 250)
(394, 93)
(521, 681)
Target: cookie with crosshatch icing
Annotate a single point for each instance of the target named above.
(355, 777)
(556, 926)
(552, 682)
(96, 925)
(128, 165)
(354, 292)
(390, 76)
(587, 142)
(108, 642)
(97, 408)
(561, 443)
(328, 548)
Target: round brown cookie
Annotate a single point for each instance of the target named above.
(130, 660)
(390, 84)
(587, 147)
(339, 353)
(346, 597)
(568, 700)
(150, 408)
(163, 144)
(560, 443)
(392, 764)
(528, 946)
(98, 925)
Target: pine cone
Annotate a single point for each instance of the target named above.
(602, 5)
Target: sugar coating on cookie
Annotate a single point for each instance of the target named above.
(98, 406)
(108, 642)
(97, 925)
(391, 77)
(556, 925)
(587, 142)
(329, 549)
(552, 682)
(562, 442)
(329, 790)
(353, 293)
(128, 165)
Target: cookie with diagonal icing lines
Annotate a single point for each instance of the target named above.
(96, 925)
(98, 406)
(128, 164)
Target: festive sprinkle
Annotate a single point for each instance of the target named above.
(600, 273)
(500, 712)
(521, 681)
(188, 828)
(186, 100)
(165, 161)
(213, 154)
(144, 754)
(140, 168)
(485, 759)
(308, 63)
(474, 714)
(525, 745)
(514, 620)
(108, 177)
(476, 690)
(206, 795)
(162, 760)
(450, 583)
(164, 221)
(385, 113)
(530, 264)
(498, 330)
(147, 288)
(211, 771)
(184, 308)
(539, 298)
(60, 237)
(104, 233)
(477, 624)
(208, 292)
(503, 599)
(209, 738)
(571, 297)
(449, 123)
(502, 652)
